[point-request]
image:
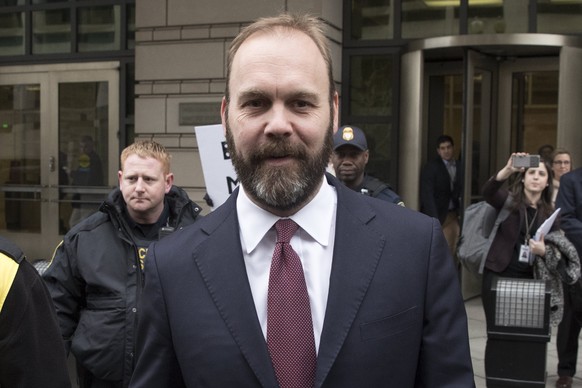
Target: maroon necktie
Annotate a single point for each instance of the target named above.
(289, 325)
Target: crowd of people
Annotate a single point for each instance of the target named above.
(301, 278)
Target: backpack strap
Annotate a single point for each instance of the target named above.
(501, 216)
(375, 186)
(505, 210)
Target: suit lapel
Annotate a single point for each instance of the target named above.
(351, 274)
(223, 270)
(224, 274)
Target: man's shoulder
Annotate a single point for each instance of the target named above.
(430, 167)
(382, 190)
(369, 179)
(380, 211)
(17, 276)
(374, 184)
(397, 224)
(10, 250)
(92, 223)
(195, 232)
(574, 176)
(435, 163)
(179, 202)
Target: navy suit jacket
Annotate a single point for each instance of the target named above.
(394, 316)
(570, 201)
(435, 189)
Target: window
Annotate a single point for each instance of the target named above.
(39, 27)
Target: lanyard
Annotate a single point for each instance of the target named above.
(528, 226)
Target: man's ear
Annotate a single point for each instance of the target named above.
(335, 107)
(169, 182)
(223, 113)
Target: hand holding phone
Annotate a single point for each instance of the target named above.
(525, 161)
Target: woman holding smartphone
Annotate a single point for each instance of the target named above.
(531, 203)
(514, 252)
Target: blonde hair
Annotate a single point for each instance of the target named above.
(147, 149)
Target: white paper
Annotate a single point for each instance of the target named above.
(219, 174)
(546, 225)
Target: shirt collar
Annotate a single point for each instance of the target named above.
(314, 218)
(149, 230)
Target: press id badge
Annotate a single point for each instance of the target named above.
(524, 254)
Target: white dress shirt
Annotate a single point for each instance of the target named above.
(313, 242)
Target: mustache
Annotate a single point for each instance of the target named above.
(277, 147)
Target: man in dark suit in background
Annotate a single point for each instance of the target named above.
(363, 295)
(441, 189)
(569, 200)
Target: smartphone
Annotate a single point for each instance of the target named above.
(526, 161)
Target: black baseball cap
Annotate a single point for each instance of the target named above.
(350, 135)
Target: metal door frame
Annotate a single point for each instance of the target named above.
(41, 245)
(412, 131)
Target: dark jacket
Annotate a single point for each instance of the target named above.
(502, 247)
(435, 189)
(31, 351)
(374, 187)
(394, 315)
(95, 281)
(569, 199)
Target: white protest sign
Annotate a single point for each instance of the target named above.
(217, 168)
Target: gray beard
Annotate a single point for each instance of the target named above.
(280, 188)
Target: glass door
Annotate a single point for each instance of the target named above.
(59, 145)
(83, 142)
(459, 104)
(479, 127)
(528, 106)
(478, 131)
(20, 152)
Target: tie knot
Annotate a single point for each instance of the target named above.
(285, 228)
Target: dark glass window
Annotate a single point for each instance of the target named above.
(498, 17)
(131, 26)
(372, 19)
(51, 31)
(369, 105)
(428, 18)
(98, 28)
(12, 34)
(555, 17)
(370, 85)
(66, 27)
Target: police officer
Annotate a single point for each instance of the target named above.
(32, 353)
(349, 160)
(95, 277)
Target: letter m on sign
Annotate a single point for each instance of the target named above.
(231, 183)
